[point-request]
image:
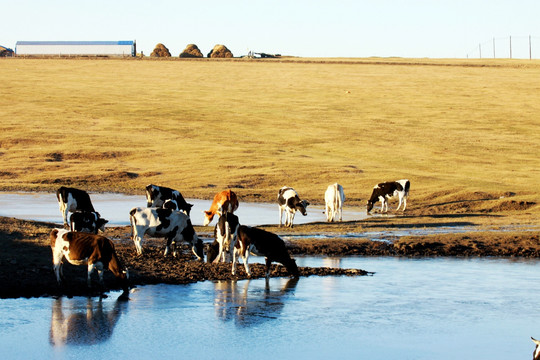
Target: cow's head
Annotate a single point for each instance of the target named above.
(292, 268)
(100, 224)
(301, 206)
(208, 216)
(212, 252)
(369, 205)
(187, 210)
(536, 353)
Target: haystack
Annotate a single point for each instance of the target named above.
(220, 51)
(191, 51)
(160, 51)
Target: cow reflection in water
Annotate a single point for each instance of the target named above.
(71, 324)
(234, 301)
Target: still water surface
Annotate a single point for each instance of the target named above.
(438, 308)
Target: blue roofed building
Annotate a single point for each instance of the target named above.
(76, 48)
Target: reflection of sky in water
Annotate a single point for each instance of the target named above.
(116, 207)
(436, 308)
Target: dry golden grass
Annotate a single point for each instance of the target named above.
(450, 126)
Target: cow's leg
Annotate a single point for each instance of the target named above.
(404, 203)
(400, 200)
(57, 266)
(280, 215)
(245, 258)
(327, 211)
(64, 212)
(90, 271)
(268, 263)
(235, 252)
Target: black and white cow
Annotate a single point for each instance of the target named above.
(383, 191)
(71, 200)
(157, 195)
(87, 221)
(290, 203)
(262, 243)
(225, 234)
(172, 225)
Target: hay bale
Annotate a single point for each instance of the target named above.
(220, 51)
(160, 51)
(191, 51)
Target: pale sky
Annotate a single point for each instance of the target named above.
(314, 28)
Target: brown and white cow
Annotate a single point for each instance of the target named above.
(224, 201)
(156, 196)
(87, 221)
(536, 352)
(383, 191)
(225, 234)
(262, 243)
(334, 197)
(289, 202)
(172, 225)
(95, 251)
(71, 200)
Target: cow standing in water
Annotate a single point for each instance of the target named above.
(289, 202)
(95, 251)
(383, 191)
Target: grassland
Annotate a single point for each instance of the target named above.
(460, 130)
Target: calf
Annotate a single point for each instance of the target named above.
(334, 198)
(262, 243)
(290, 203)
(383, 191)
(87, 221)
(172, 225)
(224, 201)
(95, 251)
(225, 234)
(71, 199)
(156, 196)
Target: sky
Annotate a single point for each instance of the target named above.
(306, 28)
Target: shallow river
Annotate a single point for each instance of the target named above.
(116, 207)
(436, 308)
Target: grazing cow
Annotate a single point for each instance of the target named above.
(172, 225)
(334, 198)
(224, 201)
(156, 196)
(87, 221)
(383, 191)
(225, 234)
(290, 203)
(95, 251)
(71, 199)
(262, 243)
(536, 352)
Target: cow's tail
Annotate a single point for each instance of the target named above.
(407, 187)
(132, 220)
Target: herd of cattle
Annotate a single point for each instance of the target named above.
(167, 215)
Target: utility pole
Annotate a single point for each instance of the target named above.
(494, 49)
(530, 48)
(510, 47)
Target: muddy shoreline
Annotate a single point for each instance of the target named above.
(26, 268)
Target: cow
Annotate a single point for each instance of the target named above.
(225, 234)
(157, 195)
(224, 201)
(262, 243)
(383, 191)
(536, 352)
(95, 251)
(172, 225)
(71, 199)
(290, 203)
(87, 221)
(334, 197)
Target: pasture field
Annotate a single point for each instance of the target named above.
(465, 132)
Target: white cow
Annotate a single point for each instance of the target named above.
(334, 198)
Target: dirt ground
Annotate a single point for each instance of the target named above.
(26, 266)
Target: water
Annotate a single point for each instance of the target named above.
(116, 207)
(437, 308)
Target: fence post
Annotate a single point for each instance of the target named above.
(480, 50)
(494, 49)
(530, 48)
(510, 47)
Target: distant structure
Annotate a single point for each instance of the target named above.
(5, 51)
(76, 48)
